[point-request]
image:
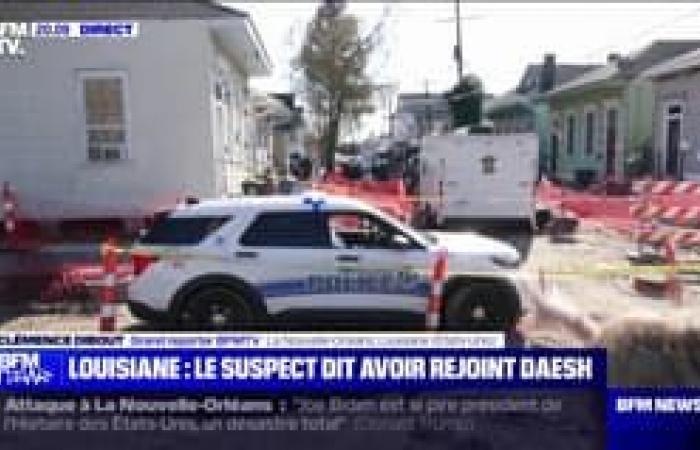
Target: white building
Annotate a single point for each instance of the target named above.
(378, 122)
(277, 136)
(288, 134)
(423, 114)
(118, 126)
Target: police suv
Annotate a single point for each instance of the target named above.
(251, 261)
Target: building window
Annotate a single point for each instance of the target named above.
(570, 134)
(105, 116)
(675, 110)
(590, 132)
(488, 165)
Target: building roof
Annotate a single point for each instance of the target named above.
(619, 71)
(657, 52)
(508, 101)
(34, 10)
(529, 85)
(98, 10)
(588, 78)
(413, 96)
(529, 82)
(686, 61)
(416, 102)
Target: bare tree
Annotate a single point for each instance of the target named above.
(333, 61)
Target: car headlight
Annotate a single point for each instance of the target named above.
(506, 261)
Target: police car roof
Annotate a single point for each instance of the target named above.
(295, 202)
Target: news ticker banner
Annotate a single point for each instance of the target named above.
(332, 382)
(424, 390)
(283, 363)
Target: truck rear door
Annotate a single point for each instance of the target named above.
(488, 177)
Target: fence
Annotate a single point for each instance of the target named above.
(389, 196)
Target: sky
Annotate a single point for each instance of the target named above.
(499, 39)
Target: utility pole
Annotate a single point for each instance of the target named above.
(428, 129)
(458, 45)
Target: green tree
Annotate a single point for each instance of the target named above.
(465, 100)
(333, 60)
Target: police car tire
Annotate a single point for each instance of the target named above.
(217, 307)
(480, 307)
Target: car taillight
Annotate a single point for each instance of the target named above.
(141, 261)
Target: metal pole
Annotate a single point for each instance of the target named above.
(428, 122)
(458, 45)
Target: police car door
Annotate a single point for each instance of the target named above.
(284, 254)
(380, 266)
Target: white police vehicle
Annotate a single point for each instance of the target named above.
(248, 261)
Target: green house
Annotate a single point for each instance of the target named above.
(601, 122)
(523, 109)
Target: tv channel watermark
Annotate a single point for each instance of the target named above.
(13, 35)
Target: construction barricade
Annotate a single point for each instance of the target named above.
(388, 196)
(108, 298)
(669, 215)
(435, 304)
(85, 282)
(667, 211)
(663, 216)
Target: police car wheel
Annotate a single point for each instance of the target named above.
(479, 307)
(216, 308)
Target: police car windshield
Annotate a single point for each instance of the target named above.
(422, 238)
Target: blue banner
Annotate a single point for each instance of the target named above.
(653, 419)
(195, 370)
(389, 391)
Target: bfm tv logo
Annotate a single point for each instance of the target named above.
(12, 35)
(22, 368)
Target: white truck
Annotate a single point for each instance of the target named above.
(487, 177)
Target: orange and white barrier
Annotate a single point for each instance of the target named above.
(674, 214)
(389, 196)
(434, 307)
(655, 187)
(108, 300)
(671, 210)
(682, 215)
(659, 235)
